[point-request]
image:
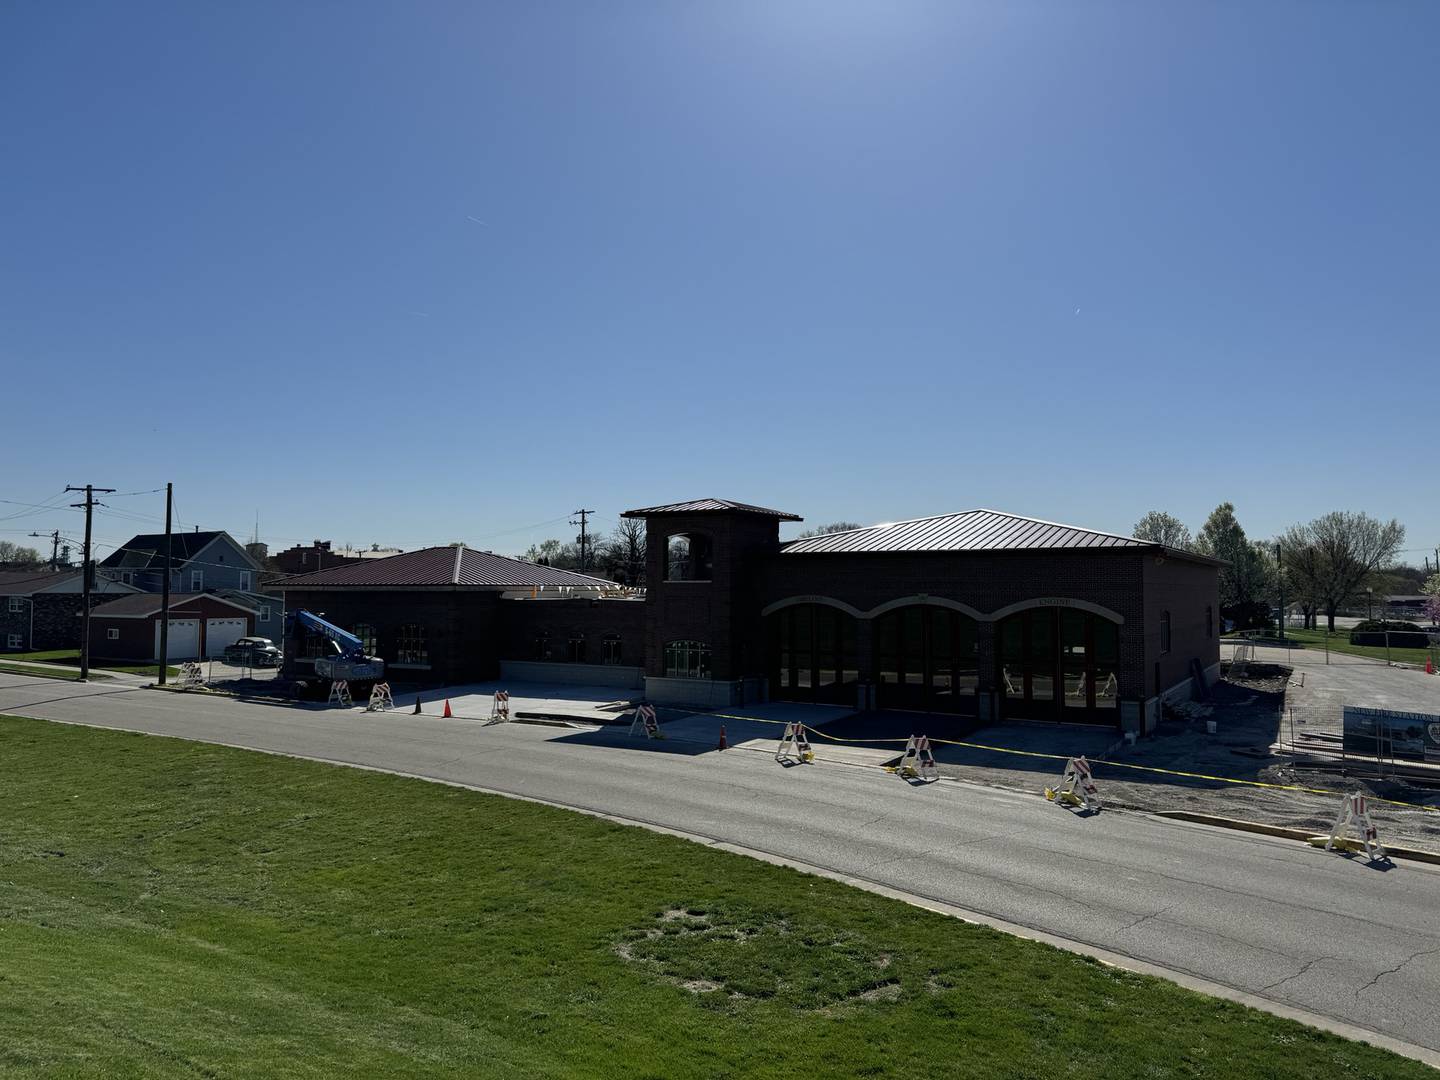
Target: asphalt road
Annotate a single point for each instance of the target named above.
(1288, 924)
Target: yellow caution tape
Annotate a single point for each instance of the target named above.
(1093, 761)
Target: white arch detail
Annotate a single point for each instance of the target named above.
(1057, 602)
(933, 601)
(824, 601)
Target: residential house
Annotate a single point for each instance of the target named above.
(41, 609)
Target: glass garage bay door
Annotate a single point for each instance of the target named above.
(1058, 664)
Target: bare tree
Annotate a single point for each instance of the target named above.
(1158, 527)
(1352, 546)
(21, 558)
(621, 555)
(833, 527)
(1303, 570)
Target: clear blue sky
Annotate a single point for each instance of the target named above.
(415, 272)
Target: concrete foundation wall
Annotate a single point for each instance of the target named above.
(622, 677)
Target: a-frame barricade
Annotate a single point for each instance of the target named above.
(1077, 787)
(794, 748)
(1355, 816)
(500, 707)
(380, 698)
(918, 761)
(645, 723)
(340, 694)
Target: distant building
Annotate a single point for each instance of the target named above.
(321, 555)
(41, 609)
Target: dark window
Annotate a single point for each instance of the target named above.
(688, 557)
(1209, 621)
(575, 652)
(542, 646)
(366, 633)
(687, 660)
(1164, 632)
(610, 649)
(410, 646)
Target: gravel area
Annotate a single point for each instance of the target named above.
(1252, 731)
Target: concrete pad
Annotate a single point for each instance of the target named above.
(581, 704)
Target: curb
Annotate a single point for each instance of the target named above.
(1303, 835)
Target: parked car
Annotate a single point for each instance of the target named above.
(253, 652)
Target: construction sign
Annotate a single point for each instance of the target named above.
(1411, 735)
(500, 708)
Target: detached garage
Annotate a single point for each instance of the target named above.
(201, 626)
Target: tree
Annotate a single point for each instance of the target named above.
(1158, 527)
(621, 555)
(21, 558)
(1243, 581)
(1431, 589)
(833, 527)
(1352, 547)
(1302, 568)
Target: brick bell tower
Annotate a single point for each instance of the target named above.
(703, 636)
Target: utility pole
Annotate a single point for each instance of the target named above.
(1280, 578)
(584, 537)
(54, 547)
(87, 573)
(164, 657)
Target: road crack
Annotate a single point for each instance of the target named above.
(1395, 970)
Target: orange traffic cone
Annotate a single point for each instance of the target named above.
(724, 744)
(1429, 665)
(448, 715)
(417, 705)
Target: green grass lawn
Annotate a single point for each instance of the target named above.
(1340, 642)
(173, 909)
(71, 658)
(67, 676)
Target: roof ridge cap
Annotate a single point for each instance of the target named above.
(455, 570)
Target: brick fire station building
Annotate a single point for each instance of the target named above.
(980, 614)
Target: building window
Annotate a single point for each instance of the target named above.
(410, 647)
(610, 649)
(244, 580)
(687, 660)
(576, 651)
(264, 612)
(688, 557)
(112, 634)
(542, 646)
(17, 603)
(1209, 621)
(127, 577)
(1164, 632)
(197, 580)
(14, 641)
(366, 633)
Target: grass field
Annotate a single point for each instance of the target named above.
(39, 673)
(71, 658)
(173, 909)
(1314, 640)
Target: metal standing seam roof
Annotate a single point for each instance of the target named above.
(970, 530)
(151, 603)
(450, 565)
(711, 506)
